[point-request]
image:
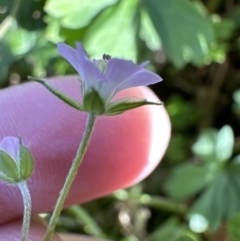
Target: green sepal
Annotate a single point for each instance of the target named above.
(119, 106)
(93, 102)
(7, 179)
(26, 163)
(8, 166)
(68, 100)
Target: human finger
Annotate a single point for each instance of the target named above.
(122, 151)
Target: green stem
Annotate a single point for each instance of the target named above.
(27, 209)
(162, 203)
(71, 175)
(6, 24)
(152, 201)
(87, 221)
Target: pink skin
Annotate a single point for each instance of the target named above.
(123, 150)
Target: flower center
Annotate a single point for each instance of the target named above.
(102, 63)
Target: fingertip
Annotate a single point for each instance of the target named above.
(160, 129)
(123, 149)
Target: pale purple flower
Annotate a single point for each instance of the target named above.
(101, 79)
(109, 77)
(11, 145)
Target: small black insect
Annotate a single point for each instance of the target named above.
(106, 57)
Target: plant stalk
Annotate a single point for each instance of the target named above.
(27, 209)
(71, 175)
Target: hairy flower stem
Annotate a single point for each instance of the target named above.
(27, 209)
(71, 175)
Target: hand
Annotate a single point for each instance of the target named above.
(123, 150)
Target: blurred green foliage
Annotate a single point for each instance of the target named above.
(195, 46)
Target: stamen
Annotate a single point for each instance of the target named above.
(106, 57)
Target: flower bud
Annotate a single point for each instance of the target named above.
(16, 162)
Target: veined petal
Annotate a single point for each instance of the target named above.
(142, 77)
(78, 59)
(71, 55)
(122, 74)
(10, 145)
(92, 75)
(118, 70)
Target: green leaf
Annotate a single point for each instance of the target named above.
(220, 200)
(44, 55)
(26, 163)
(8, 166)
(186, 180)
(205, 145)
(233, 228)
(6, 4)
(236, 96)
(70, 36)
(148, 33)
(76, 14)
(224, 29)
(5, 61)
(224, 143)
(235, 15)
(113, 31)
(214, 146)
(119, 106)
(185, 33)
(166, 232)
(236, 104)
(236, 160)
(93, 102)
(21, 44)
(184, 237)
(173, 230)
(59, 94)
(210, 204)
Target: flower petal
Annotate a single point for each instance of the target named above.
(122, 74)
(78, 59)
(118, 70)
(142, 77)
(10, 145)
(71, 55)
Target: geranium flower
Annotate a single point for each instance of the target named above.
(108, 76)
(102, 79)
